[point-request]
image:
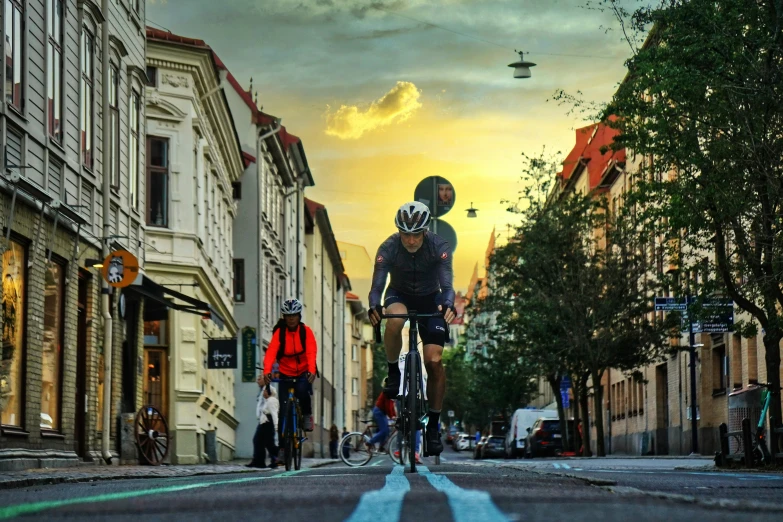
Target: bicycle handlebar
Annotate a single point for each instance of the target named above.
(410, 315)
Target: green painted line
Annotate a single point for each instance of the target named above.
(35, 507)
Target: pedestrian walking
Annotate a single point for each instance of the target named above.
(267, 408)
(334, 436)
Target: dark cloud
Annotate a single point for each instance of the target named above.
(382, 33)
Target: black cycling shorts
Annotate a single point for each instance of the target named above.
(432, 330)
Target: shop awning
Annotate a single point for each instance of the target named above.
(160, 299)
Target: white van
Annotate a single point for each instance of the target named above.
(517, 433)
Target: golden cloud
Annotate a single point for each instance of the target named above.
(350, 122)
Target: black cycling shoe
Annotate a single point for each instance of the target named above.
(434, 444)
(392, 389)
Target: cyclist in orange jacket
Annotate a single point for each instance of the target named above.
(293, 346)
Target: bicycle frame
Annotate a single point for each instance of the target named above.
(296, 418)
(412, 416)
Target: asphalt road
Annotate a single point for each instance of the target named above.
(459, 489)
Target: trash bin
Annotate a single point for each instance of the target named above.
(743, 403)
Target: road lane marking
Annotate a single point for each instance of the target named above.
(566, 466)
(376, 463)
(467, 505)
(556, 465)
(36, 507)
(384, 504)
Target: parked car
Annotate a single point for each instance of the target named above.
(477, 448)
(493, 447)
(461, 442)
(545, 438)
(517, 433)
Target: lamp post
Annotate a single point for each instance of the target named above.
(522, 67)
(472, 211)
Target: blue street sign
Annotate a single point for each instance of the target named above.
(566, 399)
(565, 383)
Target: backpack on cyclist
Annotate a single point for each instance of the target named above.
(280, 328)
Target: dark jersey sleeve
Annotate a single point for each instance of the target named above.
(383, 262)
(445, 273)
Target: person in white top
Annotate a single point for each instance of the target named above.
(267, 409)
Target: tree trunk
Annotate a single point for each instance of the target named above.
(583, 402)
(772, 339)
(598, 414)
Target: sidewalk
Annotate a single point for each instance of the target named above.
(89, 473)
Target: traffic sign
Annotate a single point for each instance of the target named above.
(718, 316)
(451, 414)
(120, 268)
(437, 193)
(565, 383)
(670, 304)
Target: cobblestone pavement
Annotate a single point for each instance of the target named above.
(40, 476)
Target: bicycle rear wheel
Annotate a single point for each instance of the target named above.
(398, 452)
(289, 437)
(413, 406)
(353, 449)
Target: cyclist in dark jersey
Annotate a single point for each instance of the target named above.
(421, 279)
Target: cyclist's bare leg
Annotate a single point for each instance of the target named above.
(436, 375)
(392, 338)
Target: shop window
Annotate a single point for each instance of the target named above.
(12, 308)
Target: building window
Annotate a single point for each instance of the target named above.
(12, 308)
(236, 189)
(136, 5)
(14, 43)
(133, 147)
(114, 131)
(719, 369)
(152, 76)
(52, 357)
(54, 68)
(239, 280)
(355, 386)
(354, 352)
(88, 95)
(157, 182)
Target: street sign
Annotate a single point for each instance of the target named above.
(445, 231)
(451, 414)
(221, 354)
(437, 193)
(120, 268)
(670, 304)
(718, 316)
(248, 354)
(566, 398)
(565, 383)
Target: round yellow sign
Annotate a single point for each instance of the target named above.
(120, 268)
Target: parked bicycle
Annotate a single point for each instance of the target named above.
(413, 414)
(292, 433)
(355, 449)
(761, 451)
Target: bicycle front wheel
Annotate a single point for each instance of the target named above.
(413, 408)
(353, 449)
(289, 438)
(398, 451)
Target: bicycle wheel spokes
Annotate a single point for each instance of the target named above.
(353, 449)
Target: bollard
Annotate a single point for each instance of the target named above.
(747, 442)
(724, 444)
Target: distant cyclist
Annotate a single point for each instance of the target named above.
(421, 279)
(293, 346)
(381, 413)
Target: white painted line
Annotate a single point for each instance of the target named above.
(384, 505)
(467, 505)
(557, 466)
(566, 466)
(376, 463)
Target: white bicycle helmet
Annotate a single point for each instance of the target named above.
(291, 307)
(412, 217)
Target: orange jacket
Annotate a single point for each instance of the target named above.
(297, 359)
(386, 405)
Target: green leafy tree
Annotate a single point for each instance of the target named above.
(702, 104)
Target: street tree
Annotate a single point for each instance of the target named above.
(702, 103)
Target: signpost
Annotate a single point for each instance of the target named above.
(120, 268)
(248, 354)
(221, 354)
(720, 319)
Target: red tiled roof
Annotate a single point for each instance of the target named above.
(312, 207)
(589, 142)
(258, 117)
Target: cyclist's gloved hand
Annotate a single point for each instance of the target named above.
(267, 378)
(450, 314)
(310, 377)
(375, 314)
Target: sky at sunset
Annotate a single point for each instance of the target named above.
(382, 99)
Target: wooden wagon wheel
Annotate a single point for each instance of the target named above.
(152, 435)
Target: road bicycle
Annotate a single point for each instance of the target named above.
(355, 447)
(292, 434)
(761, 452)
(412, 416)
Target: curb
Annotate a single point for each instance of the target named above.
(723, 503)
(48, 481)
